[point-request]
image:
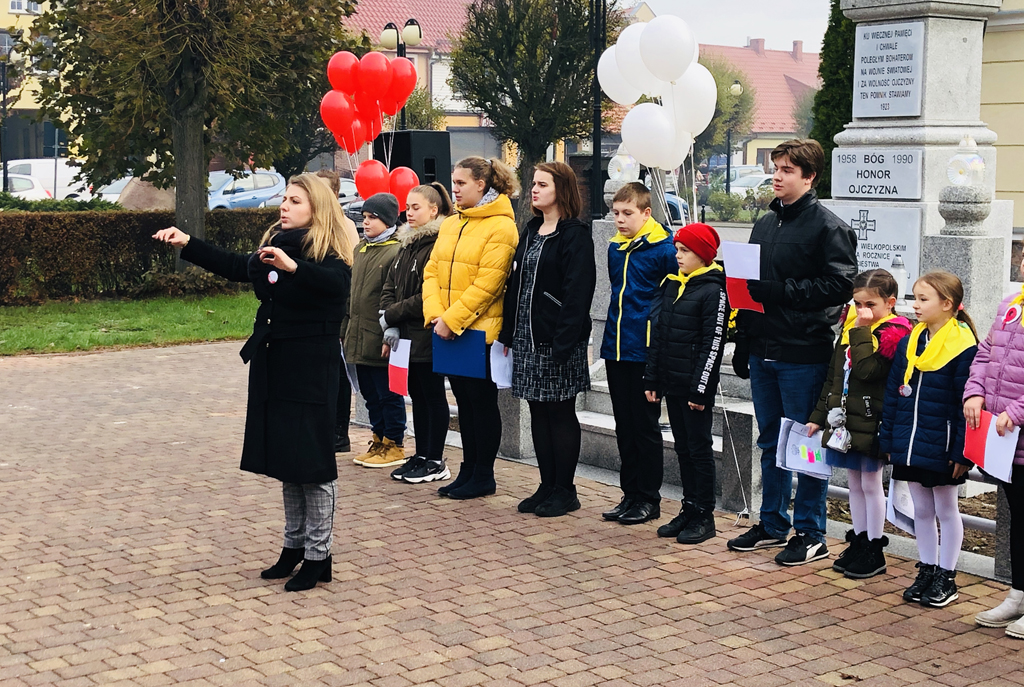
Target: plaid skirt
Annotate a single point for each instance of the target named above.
(537, 377)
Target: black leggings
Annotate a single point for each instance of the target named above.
(556, 439)
(429, 410)
(1015, 496)
(479, 423)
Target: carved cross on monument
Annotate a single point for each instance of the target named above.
(863, 225)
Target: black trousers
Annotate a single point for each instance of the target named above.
(344, 412)
(1015, 496)
(691, 430)
(556, 440)
(479, 423)
(637, 432)
(429, 410)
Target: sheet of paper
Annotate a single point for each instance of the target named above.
(742, 260)
(801, 453)
(501, 366)
(350, 372)
(899, 506)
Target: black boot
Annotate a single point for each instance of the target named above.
(625, 504)
(926, 571)
(341, 440)
(870, 562)
(465, 474)
(561, 501)
(481, 484)
(285, 564)
(942, 590)
(856, 542)
(530, 503)
(701, 527)
(309, 574)
(677, 524)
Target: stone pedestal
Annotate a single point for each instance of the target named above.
(602, 231)
(972, 258)
(516, 428)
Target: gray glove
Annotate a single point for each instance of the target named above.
(391, 336)
(383, 322)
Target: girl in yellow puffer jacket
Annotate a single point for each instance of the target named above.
(463, 285)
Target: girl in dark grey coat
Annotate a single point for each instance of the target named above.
(301, 276)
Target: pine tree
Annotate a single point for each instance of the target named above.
(833, 105)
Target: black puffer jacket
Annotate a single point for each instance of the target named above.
(402, 296)
(809, 260)
(687, 337)
(563, 288)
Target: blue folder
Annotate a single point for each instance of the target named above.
(464, 356)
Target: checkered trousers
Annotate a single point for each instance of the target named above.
(309, 517)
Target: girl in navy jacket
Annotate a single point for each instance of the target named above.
(923, 428)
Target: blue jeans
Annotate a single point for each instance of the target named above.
(788, 390)
(386, 408)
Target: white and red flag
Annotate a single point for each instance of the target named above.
(398, 367)
(989, 451)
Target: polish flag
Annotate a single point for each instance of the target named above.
(989, 451)
(398, 367)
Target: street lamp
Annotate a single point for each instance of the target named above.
(392, 39)
(7, 52)
(737, 90)
(598, 38)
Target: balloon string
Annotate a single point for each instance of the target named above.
(391, 139)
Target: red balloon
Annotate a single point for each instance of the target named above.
(337, 112)
(403, 180)
(354, 137)
(372, 177)
(374, 74)
(366, 104)
(403, 79)
(372, 127)
(343, 72)
(389, 106)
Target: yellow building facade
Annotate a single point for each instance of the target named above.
(1002, 101)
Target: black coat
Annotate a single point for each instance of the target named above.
(809, 258)
(563, 288)
(687, 337)
(402, 296)
(294, 356)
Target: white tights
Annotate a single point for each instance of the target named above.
(867, 502)
(940, 502)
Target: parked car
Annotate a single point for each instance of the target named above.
(112, 191)
(678, 210)
(354, 211)
(26, 187)
(42, 169)
(252, 190)
(751, 182)
(346, 194)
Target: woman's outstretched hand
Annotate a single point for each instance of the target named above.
(172, 235)
(277, 258)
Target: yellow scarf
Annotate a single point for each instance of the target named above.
(683, 278)
(951, 340)
(651, 229)
(851, 322)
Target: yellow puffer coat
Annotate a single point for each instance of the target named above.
(464, 281)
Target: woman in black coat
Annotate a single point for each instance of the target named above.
(301, 276)
(547, 326)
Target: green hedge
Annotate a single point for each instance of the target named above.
(11, 203)
(56, 255)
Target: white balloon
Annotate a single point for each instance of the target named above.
(666, 47)
(647, 132)
(631, 64)
(696, 52)
(691, 99)
(679, 152)
(612, 82)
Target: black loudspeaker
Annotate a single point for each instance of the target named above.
(428, 153)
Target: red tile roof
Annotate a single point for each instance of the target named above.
(779, 78)
(439, 18)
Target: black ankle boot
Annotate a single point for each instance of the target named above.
(530, 503)
(285, 564)
(474, 488)
(925, 574)
(560, 502)
(309, 574)
(857, 544)
(677, 524)
(465, 474)
(699, 528)
(870, 562)
(942, 590)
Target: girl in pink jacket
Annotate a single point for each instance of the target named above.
(996, 384)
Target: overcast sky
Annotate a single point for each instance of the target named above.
(732, 22)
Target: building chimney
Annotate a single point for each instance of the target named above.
(757, 45)
(798, 51)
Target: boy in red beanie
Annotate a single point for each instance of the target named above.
(688, 324)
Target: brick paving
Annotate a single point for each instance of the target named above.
(132, 545)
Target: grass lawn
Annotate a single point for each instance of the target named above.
(61, 327)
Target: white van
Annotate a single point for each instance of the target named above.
(42, 169)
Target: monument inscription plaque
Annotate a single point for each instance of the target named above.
(887, 70)
(891, 173)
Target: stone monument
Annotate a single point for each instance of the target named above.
(916, 95)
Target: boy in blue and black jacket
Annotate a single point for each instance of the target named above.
(640, 256)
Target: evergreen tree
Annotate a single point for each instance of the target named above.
(833, 105)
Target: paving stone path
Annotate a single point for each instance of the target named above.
(131, 545)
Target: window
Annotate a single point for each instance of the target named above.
(242, 185)
(6, 43)
(17, 184)
(33, 7)
(17, 5)
(266, 181)
(23, 168)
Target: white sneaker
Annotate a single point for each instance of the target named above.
(1005, 613)
(1016, 629)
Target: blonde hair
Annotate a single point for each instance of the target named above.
(950, 288)
(496, 173)
(437, 195)
(327, 235)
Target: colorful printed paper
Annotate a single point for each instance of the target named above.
(801, 453)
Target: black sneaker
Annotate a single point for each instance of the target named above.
(677, 524)
(701, 527)
(856, 542)
(801, 549)
(753, 539)
(925, 573)
(870, 562)
(427, 471)
(942, 591)
(406, 467)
